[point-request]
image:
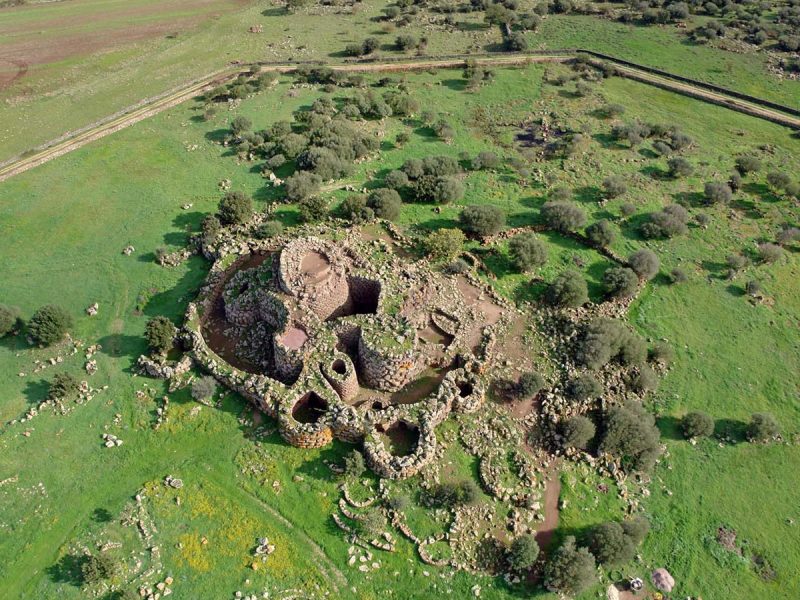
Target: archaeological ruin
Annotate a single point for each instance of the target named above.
(338, 336)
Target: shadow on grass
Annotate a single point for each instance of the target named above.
(118, 345)
(670, 428)
(67, 570)
(36, 391)
(730, 429)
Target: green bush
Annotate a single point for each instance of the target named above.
(577, 432)
(9, 319)
(204, 388)
(610, 545)
(49, 324)
(450, 494)
(160, 334)
(644, 379)
(601, 233)
(679, 167)
(529, 384)
(235, 208)
(522, 553)
(584, 387)
(268, 230)
(63, 386)
(645, 263)
(302, 184)
(614, 186)
(631, 435)
(395, 180)
(717, 193)
(98, 567)
(313, 208)
(571, 570)
(385, 202)
(748, 164)
(444, 244)
(354, 465)
(563, 216)
(482, 220)
(697, 424)
(568, 290)
(527, 251)
(763, 427)
(620, 282)
(354, 208)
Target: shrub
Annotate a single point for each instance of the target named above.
(785, 236)
(568, 290)
(457, 267)
(762, 428)
(62, 387)
(370, 524)
(576, 432)
(354, 208)
(636, 528)
(620, 282)
(627, 209)
(485, 160)
(235, 208)
(610, 545)
(778, 180)
(601, 233)
(571, 570)
(9, 319)
(631, 435)
(645, 263)
(98, 567)
(753, 288)
(717, 193)
(515, 42)
(769, 253)
(404, 43)
(523, 553)
(563, 216)
(313, 208)
(697, 424)
(748, 164)
(302, 185)
(604, 339)
(529, 384)
(614, 186)
(679, 167)
(450, 494)
(560, 194)
(160, 334)
(643, 380)
(204, 388)
(678, 275)
(395, 180)
(735, 181)
(482, 220)
(240, 125)
(385, 202)
(527, 251)
(584, 387)
(354, 465)
(268, 230)
(670, 221)
(49, 324)
(444, 244)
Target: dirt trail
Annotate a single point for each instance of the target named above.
(552, 491)
(147, 108)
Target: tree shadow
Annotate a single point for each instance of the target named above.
(670, 428)
(588, 193)
(689, 199)
(101, 515)
(36, 391)
(119, 345)
(736, 291)
(655, 173)
(276, 12)
(217, 135)
(458, 85)
(607, 142)
(730, 430)
(67, 570)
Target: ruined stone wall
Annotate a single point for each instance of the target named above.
(288, 361)
(385, 370)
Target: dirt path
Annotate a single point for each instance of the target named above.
(552, 491)
(152, 106)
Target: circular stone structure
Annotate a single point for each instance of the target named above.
(344, 329)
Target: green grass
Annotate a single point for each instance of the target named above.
(69, 220)
(41, 106)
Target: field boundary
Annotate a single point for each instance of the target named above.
(731, 99)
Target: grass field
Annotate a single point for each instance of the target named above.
(105, 55)
(68, 221)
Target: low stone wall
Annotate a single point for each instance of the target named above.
(164, 369)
